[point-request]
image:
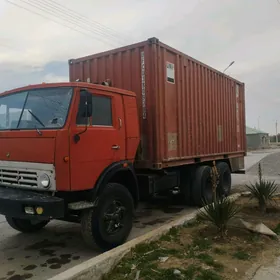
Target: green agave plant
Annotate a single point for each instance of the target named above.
(219, 213)
(263, 190)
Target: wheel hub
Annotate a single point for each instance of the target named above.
(114, 216)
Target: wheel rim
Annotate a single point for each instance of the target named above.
(114, 217)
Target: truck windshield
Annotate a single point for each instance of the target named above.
(34, 109)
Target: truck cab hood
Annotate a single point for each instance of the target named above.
(28, 146)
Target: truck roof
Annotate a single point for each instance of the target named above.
(70, 84)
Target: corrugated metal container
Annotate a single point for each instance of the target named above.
(189, 112)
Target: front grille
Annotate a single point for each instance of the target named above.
(18, 178)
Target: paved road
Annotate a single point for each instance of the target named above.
(270, 165)
(269, 273)
(59, 246)
(254, 157)
(270, 162)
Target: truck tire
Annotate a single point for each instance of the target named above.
(26, 226)
(186, 189)
(202, 188)
(109, 223)
(224, 186)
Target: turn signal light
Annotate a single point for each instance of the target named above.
(39, 210)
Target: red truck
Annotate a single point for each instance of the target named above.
(134, 122)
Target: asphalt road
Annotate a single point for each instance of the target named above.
(59, 246)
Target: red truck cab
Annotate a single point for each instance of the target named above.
(67, 152)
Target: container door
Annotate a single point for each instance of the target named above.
(102, 141)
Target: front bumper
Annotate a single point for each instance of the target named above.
(13, 202)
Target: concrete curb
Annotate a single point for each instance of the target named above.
(95, 268)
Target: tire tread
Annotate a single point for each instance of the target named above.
(88, 235)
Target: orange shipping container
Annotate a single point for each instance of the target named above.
(189, 112)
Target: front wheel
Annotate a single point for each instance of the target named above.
(26, 226)
(109, 223)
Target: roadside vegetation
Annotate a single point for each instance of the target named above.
(263, 191)
(215, 246)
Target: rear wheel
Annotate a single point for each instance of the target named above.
(224, 186)
(26, 226)
(109, 223)
(186, 181)
(202, 187)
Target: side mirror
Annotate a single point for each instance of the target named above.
(86, 104)
(87, 111)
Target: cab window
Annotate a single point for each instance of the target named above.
(101, 111)
(94, 110)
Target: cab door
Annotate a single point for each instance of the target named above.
(101, 137)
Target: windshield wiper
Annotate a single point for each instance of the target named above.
(36, 118)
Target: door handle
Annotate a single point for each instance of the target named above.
(120, 123)
(116, 147)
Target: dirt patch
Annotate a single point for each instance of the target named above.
(195, 251)
(250, 212)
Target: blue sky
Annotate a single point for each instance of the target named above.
(34, 49)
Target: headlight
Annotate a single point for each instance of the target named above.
(44, 180)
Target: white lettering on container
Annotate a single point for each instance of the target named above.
(143, 83)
